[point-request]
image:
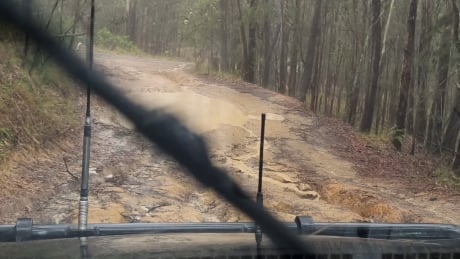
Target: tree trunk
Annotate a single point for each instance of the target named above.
(453, 125)
(245, 68)
(76, 19)
(296, 41)
(424, 54)
(283, 48)
(439, 102)
(454, 120)
(315, 80)
(371, 93)
(27, 8)
(354, 89)
(224, 65)
(315, 31)
(406, 76)
(131, 27)
(252, 42)
(267, 45)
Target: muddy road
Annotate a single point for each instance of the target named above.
(132, 181)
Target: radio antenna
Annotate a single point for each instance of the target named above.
(260, 196)
(84, 190)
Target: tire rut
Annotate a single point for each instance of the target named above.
(132, 181)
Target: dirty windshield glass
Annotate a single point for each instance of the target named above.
(360, 98)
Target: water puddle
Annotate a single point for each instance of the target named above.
(197, 111)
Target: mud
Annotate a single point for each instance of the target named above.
(132, 181)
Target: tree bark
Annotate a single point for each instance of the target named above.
(252, 43)
(439, 102)
(267, 44)
(224, 64)
(454, 120)
(453, 125)
(27, 8)
(296, 41)
(424, 47)
(354, 89)
(244, 43)
(131, 17)
(406, 76)
(315, 31)
(283, 49)
(371, 93)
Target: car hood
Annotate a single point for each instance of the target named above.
(219, 245)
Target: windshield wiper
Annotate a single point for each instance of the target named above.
(25, 230)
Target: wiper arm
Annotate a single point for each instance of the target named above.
(24, 230)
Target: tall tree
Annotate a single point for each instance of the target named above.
(406, 76)
(453, 124)
(424, 49)
(315, 31)
(283, 49)
(131, 6)
(27, 9)
(224, 63)
(252, 35)
(249, 46)
(268, 44)
(439, 99)
(371, 93)
(292, 82)
(454, 120)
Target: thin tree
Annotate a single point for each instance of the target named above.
(282, 87)
(131, 12)
(224, 64)
(406, 76)
(439, 100)
(267, 45)
(371, 93)
(27, 9)
(244, 42)
(292, 82)
(454, 120)
(424, 52)
(252, 31)
(315, 31)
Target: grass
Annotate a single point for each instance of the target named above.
(203, 69)
(445, 177)
(116, 43)
(36, 108)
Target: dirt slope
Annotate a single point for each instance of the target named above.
(303, 173)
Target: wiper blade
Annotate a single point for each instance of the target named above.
(25, 230)
(20, 232)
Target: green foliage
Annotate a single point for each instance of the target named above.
(398, 135)
(108, 40)
(36, 107)
(445, 176)
(5, 140)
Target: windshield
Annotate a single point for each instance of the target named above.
(361, 102)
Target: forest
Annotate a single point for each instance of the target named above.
(385, 67)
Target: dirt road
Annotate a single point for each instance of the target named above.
(130, 183)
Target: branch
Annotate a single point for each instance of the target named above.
(69, 35)
(68, 171)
